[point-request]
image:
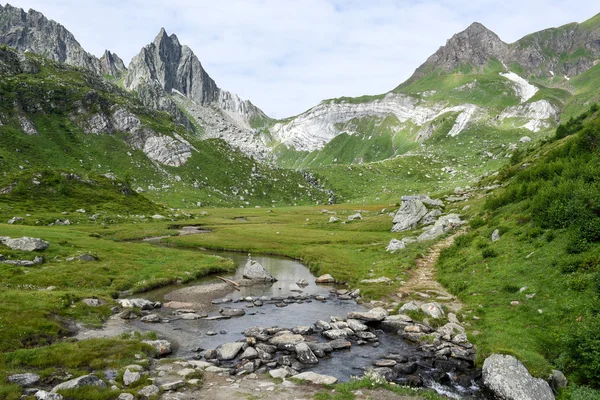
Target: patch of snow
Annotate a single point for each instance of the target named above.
(552, 73)
(523, 88)
(567, 78)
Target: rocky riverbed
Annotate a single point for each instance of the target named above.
(294, 327)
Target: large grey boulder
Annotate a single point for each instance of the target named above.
(508, 379)
(142, 304)
(256, 272)
(315, 378)
(228, 351)
(86, 380)
(495, 235)
(232, 312)
(43, 395)
(286, 339)
(25, 243)
(410, 213)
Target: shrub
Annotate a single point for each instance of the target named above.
(489, 253)
(581, 350)
(477, 222)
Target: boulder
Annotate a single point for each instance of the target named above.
(433, 310)
(256, 272)
(410, 213)
(525, 139)
(86, 380)
(172, 385)
(43, 395)
(356, 216)
(374, 315)
(162, 347)
(334, 334)
(130, 377)
(356, 325)
(443, 225)
(333, 220)
(26, 244)
(339, 344)
(325, 279)
(282, 372)
(232, 312)
(508, 379)
(286, 339)
(150, 318)
(24, 380)
(322, 325)
(558, 380)
(228, 351)
(142, 304)
(148, 391)
(495, 235)
(410, 306)
(395, 245)
(126, 396)
(249, 354)
(315, 378)
(305, 355)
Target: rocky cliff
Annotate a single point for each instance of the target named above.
(32, 31)
(180, 75)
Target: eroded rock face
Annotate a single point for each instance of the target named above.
(508, 379)
(167, 150)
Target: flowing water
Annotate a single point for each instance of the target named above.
(189, 335)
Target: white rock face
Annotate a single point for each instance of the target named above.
(316, 127)
(540, 114)
(523, 88)
(167, 150)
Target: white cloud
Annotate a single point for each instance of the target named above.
(288, 55)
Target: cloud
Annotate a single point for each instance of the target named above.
(285, 55)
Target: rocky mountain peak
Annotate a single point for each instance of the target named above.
(32, 31)
(165, 61)
(474, 46)
(112, 64)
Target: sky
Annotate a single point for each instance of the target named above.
(288, 55)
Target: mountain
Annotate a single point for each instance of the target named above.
(179, 73)
(475, 79)
(32, 31)
(71, 122)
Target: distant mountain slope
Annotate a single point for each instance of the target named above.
(32, 31)
(475, 77)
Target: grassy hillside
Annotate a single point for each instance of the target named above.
(535, 292)
(59, 101)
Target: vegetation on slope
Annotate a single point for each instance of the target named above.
(547, 259)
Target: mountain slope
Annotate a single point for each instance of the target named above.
(32, 31)
(475, 76)
(56, 117)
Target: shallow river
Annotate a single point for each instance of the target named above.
(188, 335)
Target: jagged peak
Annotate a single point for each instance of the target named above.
(164, 37)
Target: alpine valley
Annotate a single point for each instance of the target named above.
(460, 210)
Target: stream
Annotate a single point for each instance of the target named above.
(285, 305)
